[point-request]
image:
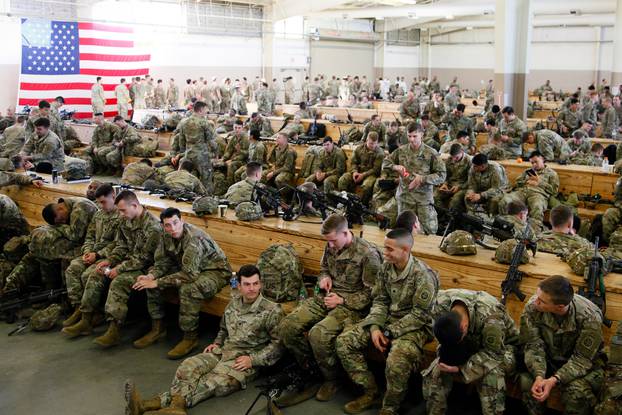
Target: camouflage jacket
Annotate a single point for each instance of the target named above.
(490, 183)
(451, 102)
(14, 139)
(569, 119)
(458, 171)
(559, 243)
(232, 153)
(353, 272)
(101, 233)
(81, 211)
(136, 173)
(409, 108)
(257, 152)
(393, 140)
(8, 178)
(47, 148)
(283, 161)
(548, 185)
(367, 162)
(430, 133)
(136, 242)
(369, 127)
(104, 134)
(240, 192)
(609, 121)
(584, 146)
(424, 161)
(34, 116)
(457, 124)
(128, 135)
(551, 145)
(12, 221)
(403, 301)
(184, 180)
(333, 163)
(196, 132)
(179, 261)
(251, 330)
(514, 129)
(491, 329)
(122, 94)
(570, 347)
(435, 113)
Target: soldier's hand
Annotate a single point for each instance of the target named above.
(89, 258)
(37, 183)
(401, 170)
(332, 300)
(379, 340)
(326, 284)
(100, 267)
(416, 181)
(210, 347)
(537, 388)
(448, 369)
(454, 189)
(243, 363)
(145, 283)
(113, 273)
(28, 165)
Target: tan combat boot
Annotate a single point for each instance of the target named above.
(327, 391)
(73, 318)
(81, 328)
(177, 407)
(363, 402)
(136, 405)
(111, 337)
(158, 331)
(184, 347)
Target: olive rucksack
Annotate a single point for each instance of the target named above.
(146, 147)
(281, 273)
(311, 162)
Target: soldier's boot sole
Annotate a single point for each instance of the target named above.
(182, 349)
(74, 318)
(361, 404)
(149, 339)
(297, 397)
(327, 391)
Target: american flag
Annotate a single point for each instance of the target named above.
(64, 58)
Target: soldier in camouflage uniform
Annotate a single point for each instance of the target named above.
(420, 168)
(485, 185)
(43, 146)
(260, 123)
(478, 341)
(236, 152)
(579, 143)
(535, 187)
(394, 138)
(348, 269)
(365, 168)
(457, 121)
(68, 221)
(102, 143)
(550, 144)
(450, 194)
(435, 109)
(332, 165)
(512, 129)
(560, 240)
(462, 138)
(569, 119)
(137, 173)
(172, 94)
(189, 260)
(282, 162)
(183, 179)
(609, 119)
(257, 153)
(197, 143)
(294, 129)
(375, 125)
(247, 340)
(399, 322)
(8, 178)
(612, 216)
(264, 104)
(242, 191)
(430, 133)
(238, 102)
(126, 140)
(518, 215)
(137, 238)
(563, 345)
(409, 108)
(13, 138)
(44, 110)
(159, 95)
(98, 244)
(452, 99)
(611, 397)
(12, 221)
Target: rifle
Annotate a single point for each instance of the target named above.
(596, 199)
(499, 229)
(178, 195)
(596, 275)
(317, 199)
(269, 199)
(514, 276)
(355, 209)
(12, 301)
(349, 116)
(397, 120)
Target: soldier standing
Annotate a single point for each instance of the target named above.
(122, 94)
(512, 129)
(172, 94)
(98, 99)
(159, 95)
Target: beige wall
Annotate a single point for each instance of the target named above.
(9, 78)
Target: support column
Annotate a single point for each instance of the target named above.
(616, 70)
(267, 46)
(512, 49)
(425, 55)
(379, 50)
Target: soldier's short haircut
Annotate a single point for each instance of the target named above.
(199, 105)
(591, 88)
(574, 101)
(560, 215)
(413, 127)
(455, 149)
(59, 99)
(507, 110)
(479, 159)
(254, 115)
(462, 134)
(424, 117)
(334, 223)
(375, 117)
(146, 161)
(246, 271)
(104, 189)
(127, 196)
(99, 78)
(255, 134)
(187, 165)
(98, 114)
(122, 80)
(578, 134)
(327, 139)
(42, 122)
(159, 81)
(597, 147)
(44, 104)
(576, 223)
(495, 109)
(49, 213)
(17, 161)
(490, 122)
(117, 118)
(373, 136)
(252, 168)
(460, 107)
(406, 220)
(238, 122)
(188, 81)
(169, 212)
(558, 288)
(447, 328)
(393, 124)
(21, 118)
(515, 207)
(535, 153)
(403, 236)
(265, 84)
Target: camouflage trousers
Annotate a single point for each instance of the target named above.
(220, 183)
(424, 210)
(490, 206)
(346, 183)
(611, 398)
(119, 293)
(122, 109)
(279, 180)
(579, 396)
(323, 325)
(536, 203)
(76, 278)
(204, 376)
(232, 168)
(329, 183)
(6, 267)
(30, 270)
(240, 174)
(95, 287)
(451, 200)
(98, 106)
(200, 157)
(490, 386)
(405, 355)
(192, 294)
(100, 156)
(611, 220)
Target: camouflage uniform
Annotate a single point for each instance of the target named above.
(8, 178)
(196, 141)
(431, 137)
(609, 122)
(569, 119)
(100, 236)
(12, 221)
(132, 142)
(535, 197)
(514, 130)
(492, 336)
(14, 139)
(353, 271)
(393, 140)
(294, 129)
(451, 102)
(135, 174)
(457, 175)
(237, 157)
(264, 106)
(48, 148)
(584, 146)
(561, 243)
(184, 180)
(34, 116)
(245, 330)
(123, 100)
(239, 192)
(101, 145)
(490, 184)
(424, 161)
(284, 164)
(457, 124)
(172, 96)
(261, 124)
(334, 165)
(257, 153)
(238, 103)
(369, 127)
(435, 113)
(159, 96)
(369, 164)
(132, 255)
(570, 347)
(611, 218)
(196, 266)
(409, 110)
(551, 145)
(402, 303)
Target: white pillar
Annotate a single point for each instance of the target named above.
(616, 70)
(267, 46)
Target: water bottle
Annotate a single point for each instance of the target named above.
(605, 165)
(234, 282)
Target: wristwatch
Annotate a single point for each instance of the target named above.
(387, 334)
(558, 380)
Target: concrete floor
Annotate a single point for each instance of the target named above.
(45, 373)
